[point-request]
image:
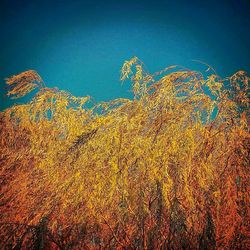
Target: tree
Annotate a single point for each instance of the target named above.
(166, 170)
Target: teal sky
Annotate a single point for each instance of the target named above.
(80, 46)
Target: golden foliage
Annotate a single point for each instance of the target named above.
(167, 170)
(22, 84)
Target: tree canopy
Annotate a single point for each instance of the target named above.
(168, 169)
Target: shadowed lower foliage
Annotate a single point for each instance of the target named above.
(166, 170)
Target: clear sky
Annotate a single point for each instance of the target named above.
(80, 46)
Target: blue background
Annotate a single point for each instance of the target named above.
(80, 46)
